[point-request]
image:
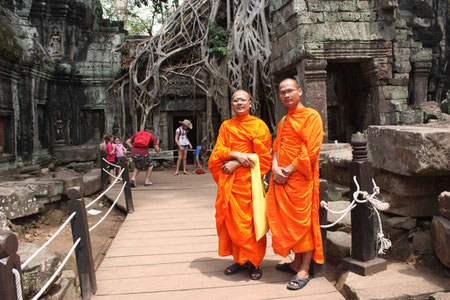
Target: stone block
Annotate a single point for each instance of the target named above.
(423, 242)
(395, 92)
(38, 271)
(406, 223)
(317, 6)
(339, 206)
(444, 204)
(17, 202)
(350, 16)
(338, 246)
(67, 154)
(445, 106)
(68, 179)
(65, 286)
(92, 182)
(334, 173)
(32, 170)
(440, 296)
(3, 222)
(365, 4)
(364, 268)
(411, 206)
(411, 150)
(83, 166)
(368, 16)
(441, 234)
(411, 117)
(401, 66)
(399, 79)
(349, 5)
(338, 192)
(421, 54)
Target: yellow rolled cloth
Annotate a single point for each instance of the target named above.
(258, 200)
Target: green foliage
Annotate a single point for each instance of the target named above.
(218, 40)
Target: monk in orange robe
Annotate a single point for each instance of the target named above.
(293, 196)
(229, 164)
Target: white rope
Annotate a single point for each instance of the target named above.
(44, 288)
(18, 284)
(49, 241)
(112, 206)
(112, 175)
(375, 204)
(114, 165)
(105, 191)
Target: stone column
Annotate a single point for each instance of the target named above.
(312, 75)
(421, 71)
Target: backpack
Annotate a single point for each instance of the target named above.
(142, 139)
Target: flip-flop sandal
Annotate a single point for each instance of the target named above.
(132, 183)
(300, 283)
(286, 267)
(255, 273)
(234, 268)
(148, 184)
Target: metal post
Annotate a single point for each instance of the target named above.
(83, 252)
(364, 259)
(103, 165)
(127, 191)
(9, 260)
(318, 270)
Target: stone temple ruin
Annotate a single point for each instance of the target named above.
(365, 65)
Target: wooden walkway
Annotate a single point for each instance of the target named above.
(167, 249)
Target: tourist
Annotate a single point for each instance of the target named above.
(200, 160)
(110, 154)
(120, 152)
(183, 144)
(229, 164)
(142, 159)
(293, 196)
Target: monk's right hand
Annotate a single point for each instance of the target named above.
(278, 175)
(243, 158)
(229, 166)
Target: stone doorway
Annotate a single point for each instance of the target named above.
(192, 134)
(348, 100)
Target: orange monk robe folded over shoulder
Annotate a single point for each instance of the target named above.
(234, 216)
(293, 207)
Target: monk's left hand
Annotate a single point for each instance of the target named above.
(229, 166)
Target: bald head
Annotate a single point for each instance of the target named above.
(240, 92)
(290, 80)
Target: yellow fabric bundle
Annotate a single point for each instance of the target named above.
(258, 200)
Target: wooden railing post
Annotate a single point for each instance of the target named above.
(127, 191)
(83, 252)
(9, 260)
(103, 165)
(318, 270)
(364, 259)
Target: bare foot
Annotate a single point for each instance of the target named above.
(185, 172)
(175, 174)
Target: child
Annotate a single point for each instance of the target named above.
(183, 144)
(200, 159)
(120, 152)
(110, 153)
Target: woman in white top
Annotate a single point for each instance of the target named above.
(182, 141)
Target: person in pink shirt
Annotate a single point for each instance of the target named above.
(110, 153)
(120, 152)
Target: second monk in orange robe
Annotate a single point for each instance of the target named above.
(293, 197)
(229, 164)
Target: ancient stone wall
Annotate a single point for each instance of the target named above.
(373, 57)
(54, 70)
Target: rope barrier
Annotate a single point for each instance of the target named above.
(110, 163)
(44, 288)
(114, 176)
(49, 241)
(105, 191)
(18, 284)
(375, 204)
(112, 206)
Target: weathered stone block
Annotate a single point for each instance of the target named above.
(395, 92)
(441, 233)
(444, 204)
(38, 271)
(411, 117)
(69, 154)
(423, 242)
(406, 223)
(411, 206)
(368, 16)
(17, 202)
(83, 166)
(339, 206)
(350, 16)
(68, 179)
(92, 182)
(338, 246)
(349, 5)
(399, 79)
(408, 150)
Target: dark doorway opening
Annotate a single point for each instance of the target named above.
(192, 134)
(348, 101)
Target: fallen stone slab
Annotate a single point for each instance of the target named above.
(67, 154)
(411, 150)
(339, 206)
(17, 202)
(38, 271)
(45, 191)
(411, 206)
(399, 281)
(406, 223)
(65, 287)
(444, 204)
(423, 242)
(441, 234)
(92, 182)
(69, 179)
(338, 246)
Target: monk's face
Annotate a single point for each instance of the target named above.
(290, 94)
(241, 103)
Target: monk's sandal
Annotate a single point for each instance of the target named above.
(255, 273)
(235, 268)
(297, 283)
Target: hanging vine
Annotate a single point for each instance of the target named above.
(220, 45)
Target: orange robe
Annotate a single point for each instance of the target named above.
(234, 216)
(293, 207)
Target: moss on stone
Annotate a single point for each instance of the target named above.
(9, 45)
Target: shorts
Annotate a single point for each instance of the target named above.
(185, 147)
(142, 162)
